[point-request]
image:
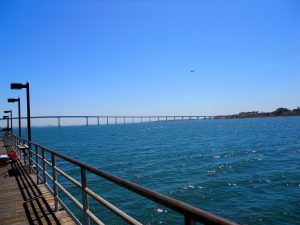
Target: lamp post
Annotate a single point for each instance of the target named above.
(19, 111)
(9, 111)
(7, 120)
(21, 86)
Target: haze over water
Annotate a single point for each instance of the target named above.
(246, 170)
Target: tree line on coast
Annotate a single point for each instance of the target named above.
(255, 114)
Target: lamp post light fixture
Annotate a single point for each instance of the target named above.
(21, 86)
(19, 111)
(9, 111)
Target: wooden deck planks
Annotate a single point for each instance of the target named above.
(24, 202)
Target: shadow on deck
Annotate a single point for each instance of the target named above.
(22, 201)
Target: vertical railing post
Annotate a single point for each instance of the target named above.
(44, 166)
(13, 141)
(98, 120)
(37, 168)
(54, 176)
(85, 201)
(189, 221)
(124, 120)
(116, 120)
(30, 158)
(19, 151)
(107, 120)
(24, 153)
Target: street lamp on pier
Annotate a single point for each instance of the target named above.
(10, 112)
(21, 86)
(19, 111)
(7, 120)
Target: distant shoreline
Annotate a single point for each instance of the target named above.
(255, 114)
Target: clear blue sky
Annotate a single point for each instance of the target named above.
(135, 57)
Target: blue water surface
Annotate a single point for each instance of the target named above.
(246, 170)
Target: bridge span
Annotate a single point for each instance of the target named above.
(106, 120)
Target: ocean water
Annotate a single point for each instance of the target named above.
(246, 170)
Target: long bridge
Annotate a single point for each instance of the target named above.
(119, 119)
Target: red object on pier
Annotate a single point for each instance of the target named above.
(12, 155)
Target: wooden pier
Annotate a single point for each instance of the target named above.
(22, 201)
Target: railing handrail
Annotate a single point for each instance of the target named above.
(187, 210)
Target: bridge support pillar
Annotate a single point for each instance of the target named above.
(58, 120)
(98, 120)
(87, 121)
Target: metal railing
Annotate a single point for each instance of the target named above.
(34, 156)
